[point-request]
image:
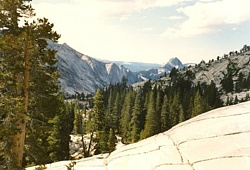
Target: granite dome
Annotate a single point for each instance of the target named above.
(218, 139)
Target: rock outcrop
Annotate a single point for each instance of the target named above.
(216, 140)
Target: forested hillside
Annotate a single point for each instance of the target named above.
(140, 111)
(36, 120)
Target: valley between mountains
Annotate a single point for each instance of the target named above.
(216, 139)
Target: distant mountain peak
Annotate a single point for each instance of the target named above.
(155, 73)
(174, 62)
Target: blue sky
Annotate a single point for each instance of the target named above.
(151, 31)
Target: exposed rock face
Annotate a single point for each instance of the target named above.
(85, 74)
(173, 62)
(155, 73)
(216, 140)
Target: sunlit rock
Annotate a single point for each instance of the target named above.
(216, 140)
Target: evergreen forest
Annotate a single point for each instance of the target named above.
(138, 113)
(36, 120)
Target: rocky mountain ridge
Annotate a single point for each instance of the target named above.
(136, 66)
(230, 70)
(84, 74)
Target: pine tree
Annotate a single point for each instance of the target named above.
(190, 108)
(46, 102)
(110, 114)
(78, 120)
(181, 115)
(236, 100)
(90, 129)
(22, 52)
(159, 100)
(137, 122)
(102, 142)
(165, 114)
(98, 111)
(112, 140)
(227, 82)
(11, 101)
(117, 112)
(126, 115)
(152, 124)
(175, 110)
(99, 123)
(248, 81)
(239, 83)
(198, 105)
(212, 96)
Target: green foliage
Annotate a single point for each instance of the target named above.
(137, 120)
(102, 142)
(112, 140)
(29, 89)
(150, 109)
(165, 123)
(126, 115)
(98, 111)
(152, 125)
(181, 117)
(227, 82)
(78, 120)
(198, 106)
(175, 110)
(99, 123)
(117, 111)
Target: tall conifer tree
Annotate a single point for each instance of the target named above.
(175, 110)
(98, 111)
(137, 120)
(23, 52)
(117, 111)
(152, 124)
(99, 123)
(126, 115)
(165, 124)
(198, 105)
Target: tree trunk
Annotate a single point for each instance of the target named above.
(18, 148)
(90, 143)
(19, 138)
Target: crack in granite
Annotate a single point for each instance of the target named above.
(216, 136)
(178, 149)
(203, 119)
(222, 157)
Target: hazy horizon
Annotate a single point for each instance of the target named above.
(149, 31)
